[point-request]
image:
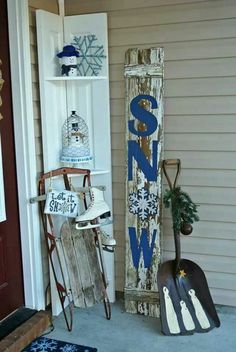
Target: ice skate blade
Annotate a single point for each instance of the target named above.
(109, 249)
(106, 248)
(79, 226)
(102, 216)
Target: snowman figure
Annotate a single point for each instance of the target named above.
(200, 314)
(68, 58)
(75, 140)
(171, 316)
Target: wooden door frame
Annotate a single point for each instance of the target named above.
(21, 81)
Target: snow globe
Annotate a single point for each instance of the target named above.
(75, 140)
(68, 58)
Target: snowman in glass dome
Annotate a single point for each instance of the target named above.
(68, 58)
(75, 140)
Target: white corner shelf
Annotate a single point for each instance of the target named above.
(76, 78)
(99, 172)
(93, 172)
(87, 95)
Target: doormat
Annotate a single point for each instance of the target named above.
(44, 344)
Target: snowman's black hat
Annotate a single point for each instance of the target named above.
(68, 50)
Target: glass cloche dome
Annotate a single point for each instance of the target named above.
(75, 140)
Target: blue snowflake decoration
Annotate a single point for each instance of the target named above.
(91, 55)
(143, 203)
(43, 345)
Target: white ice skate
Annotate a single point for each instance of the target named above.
(108, 243)
(98, 208)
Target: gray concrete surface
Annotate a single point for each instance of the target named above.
(135, 333)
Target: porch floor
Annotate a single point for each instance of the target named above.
(136, 333)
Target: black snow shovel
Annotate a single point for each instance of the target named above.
(185, 300)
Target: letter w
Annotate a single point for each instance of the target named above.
(144, 245)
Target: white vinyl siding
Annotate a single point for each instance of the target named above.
(199, 41)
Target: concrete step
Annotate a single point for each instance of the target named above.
(26, 332)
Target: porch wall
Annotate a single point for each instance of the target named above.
(199, 41)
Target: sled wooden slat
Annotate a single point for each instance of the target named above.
(83, 265)
(93, 263)
(72, 265)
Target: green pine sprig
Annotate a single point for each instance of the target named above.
(184, 210)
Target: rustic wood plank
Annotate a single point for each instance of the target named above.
(95, 271)
(142, 296)
(83, 265)
(144, 75)
(72, 265)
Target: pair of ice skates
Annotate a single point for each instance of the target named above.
(96, 211)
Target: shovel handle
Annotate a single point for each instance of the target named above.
(171, 162)
(165, 164)
(177, 251)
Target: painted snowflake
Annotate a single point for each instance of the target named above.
(65, 207)
(143, 203)
(69, 348)
(91, 55)
(43, 345)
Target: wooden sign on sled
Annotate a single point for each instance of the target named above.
(144, 117)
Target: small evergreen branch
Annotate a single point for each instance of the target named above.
(184, 210)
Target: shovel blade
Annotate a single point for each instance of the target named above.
(185, 300)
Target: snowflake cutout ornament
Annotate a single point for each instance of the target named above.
(143, 203)
(91, 55)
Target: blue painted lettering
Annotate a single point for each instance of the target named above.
(134, 151)
(143, 115)
(143, 245)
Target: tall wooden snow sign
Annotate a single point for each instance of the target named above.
(144, 118)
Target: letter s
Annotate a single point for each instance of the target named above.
(143, 115)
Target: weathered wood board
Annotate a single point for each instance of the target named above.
(144, 118)
(83, 265)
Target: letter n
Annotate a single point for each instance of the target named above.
(134, 151)
(143, 245)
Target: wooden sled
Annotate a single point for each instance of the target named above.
(80, 277)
